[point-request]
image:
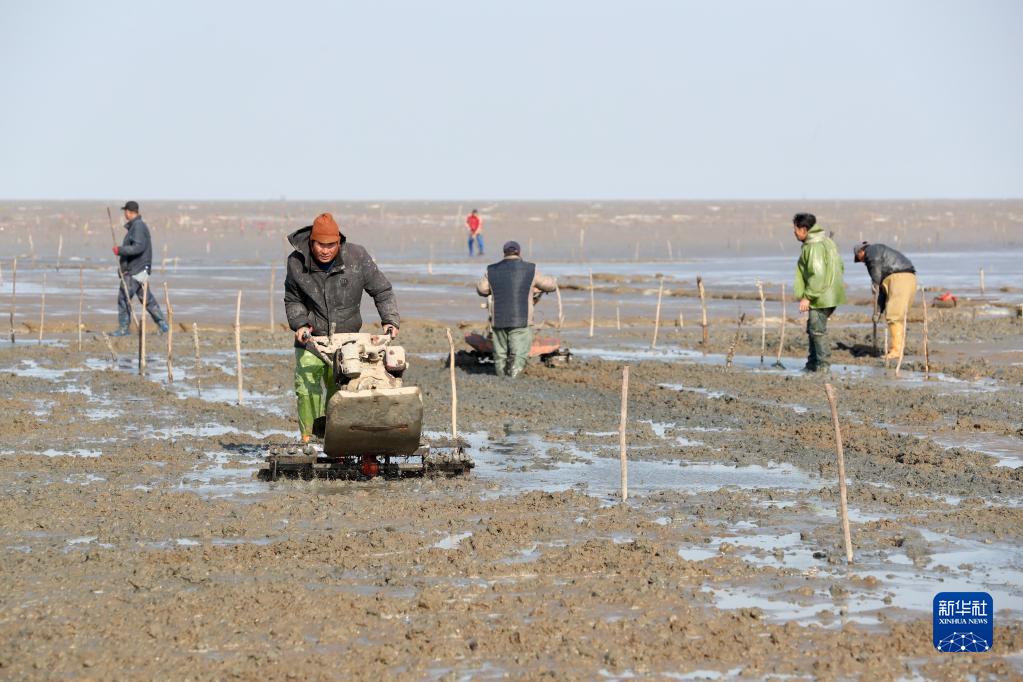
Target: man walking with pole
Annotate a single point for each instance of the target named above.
(818, 287)
(135, 260)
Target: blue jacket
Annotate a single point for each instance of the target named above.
(136, 250)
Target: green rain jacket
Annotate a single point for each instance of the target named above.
(819, 271)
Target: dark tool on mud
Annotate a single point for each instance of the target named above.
(372, 424)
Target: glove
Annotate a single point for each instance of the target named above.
(117, 250)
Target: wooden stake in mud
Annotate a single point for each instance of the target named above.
(874, 316)
(142, 328)
(198, 360)
(621, 434)
(763, 322)
(454, 388)
(110, 347)
(561, 312)
(735, 341)
(170, 334)
(981, 281)
(886, 360)
(784, 321)
(81, 301)
(273, 285)
(618, 316)
(842, 493)
(60, 249)
(927, 346)
(703, 308)
(14, 291)
(657, 315)
(238, 344)
(42, 310)
(593, 305)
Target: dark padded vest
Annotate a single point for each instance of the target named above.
(511, 282)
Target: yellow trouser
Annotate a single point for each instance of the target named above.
(899, 290)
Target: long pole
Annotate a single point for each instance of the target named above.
(703, 308)
(763, 322)
(874, 316)
(110, 347)
(784, 321)
(657, 314)
(60, 249)
(842, 493)
(561, 312)
(142, 328)
(81, 301)
(273, 286)
(593, 305)
(622, 455)
(124, 284)
(170, 334)
(14, 297)
(238, 344)
(927, 345)
(198, 360)
(454, 388)
(42, 310)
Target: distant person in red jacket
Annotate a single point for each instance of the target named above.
(475, 226)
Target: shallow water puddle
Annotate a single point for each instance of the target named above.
(214, 479)
(1008, 450)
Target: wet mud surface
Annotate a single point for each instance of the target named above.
(136, 541)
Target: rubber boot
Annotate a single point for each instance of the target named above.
(897, 335)
(121, 331)
(821, 349)
(162, 326)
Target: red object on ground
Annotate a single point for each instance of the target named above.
(473, 222)
(947, 296)
(370, 466)
(117, 250)
(542, 345)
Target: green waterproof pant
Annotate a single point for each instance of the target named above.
(312, 376)
(511, 350)
(819, 357)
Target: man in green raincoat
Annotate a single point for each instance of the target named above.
(819, 287)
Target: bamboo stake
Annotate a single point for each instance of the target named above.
(561, 312)
(142, 328)
(621, 434)
(170, 334)
(927, 345)
(60, 249)
(273, 285)
(981, 278)
(42, 311)
(618, 316)
(635, 253)
(238, 344)
(843, 495)
(735, 341)
(887, 362)
(31, 247)
(110, 347)
(657, 315)
(763, 322)
(593, 305)
(670, 256)
(703, 308)
(198, 360)
(454, 388)
(784, 321)
(14, 298)
(81, 301)
(874, 316)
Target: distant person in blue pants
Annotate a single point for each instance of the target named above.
(475, 226)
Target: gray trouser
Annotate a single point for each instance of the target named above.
(135, 291)
(511, 349)
(819, 355)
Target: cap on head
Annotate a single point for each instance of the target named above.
(857, 249)
(512, 249)
(325, 229)
(131, 206)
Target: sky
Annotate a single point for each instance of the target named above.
(532, 99)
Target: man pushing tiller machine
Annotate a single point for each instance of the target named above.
(372, 424)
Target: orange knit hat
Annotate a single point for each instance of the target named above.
(325, 229)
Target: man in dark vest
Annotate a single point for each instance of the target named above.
(513, 283)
